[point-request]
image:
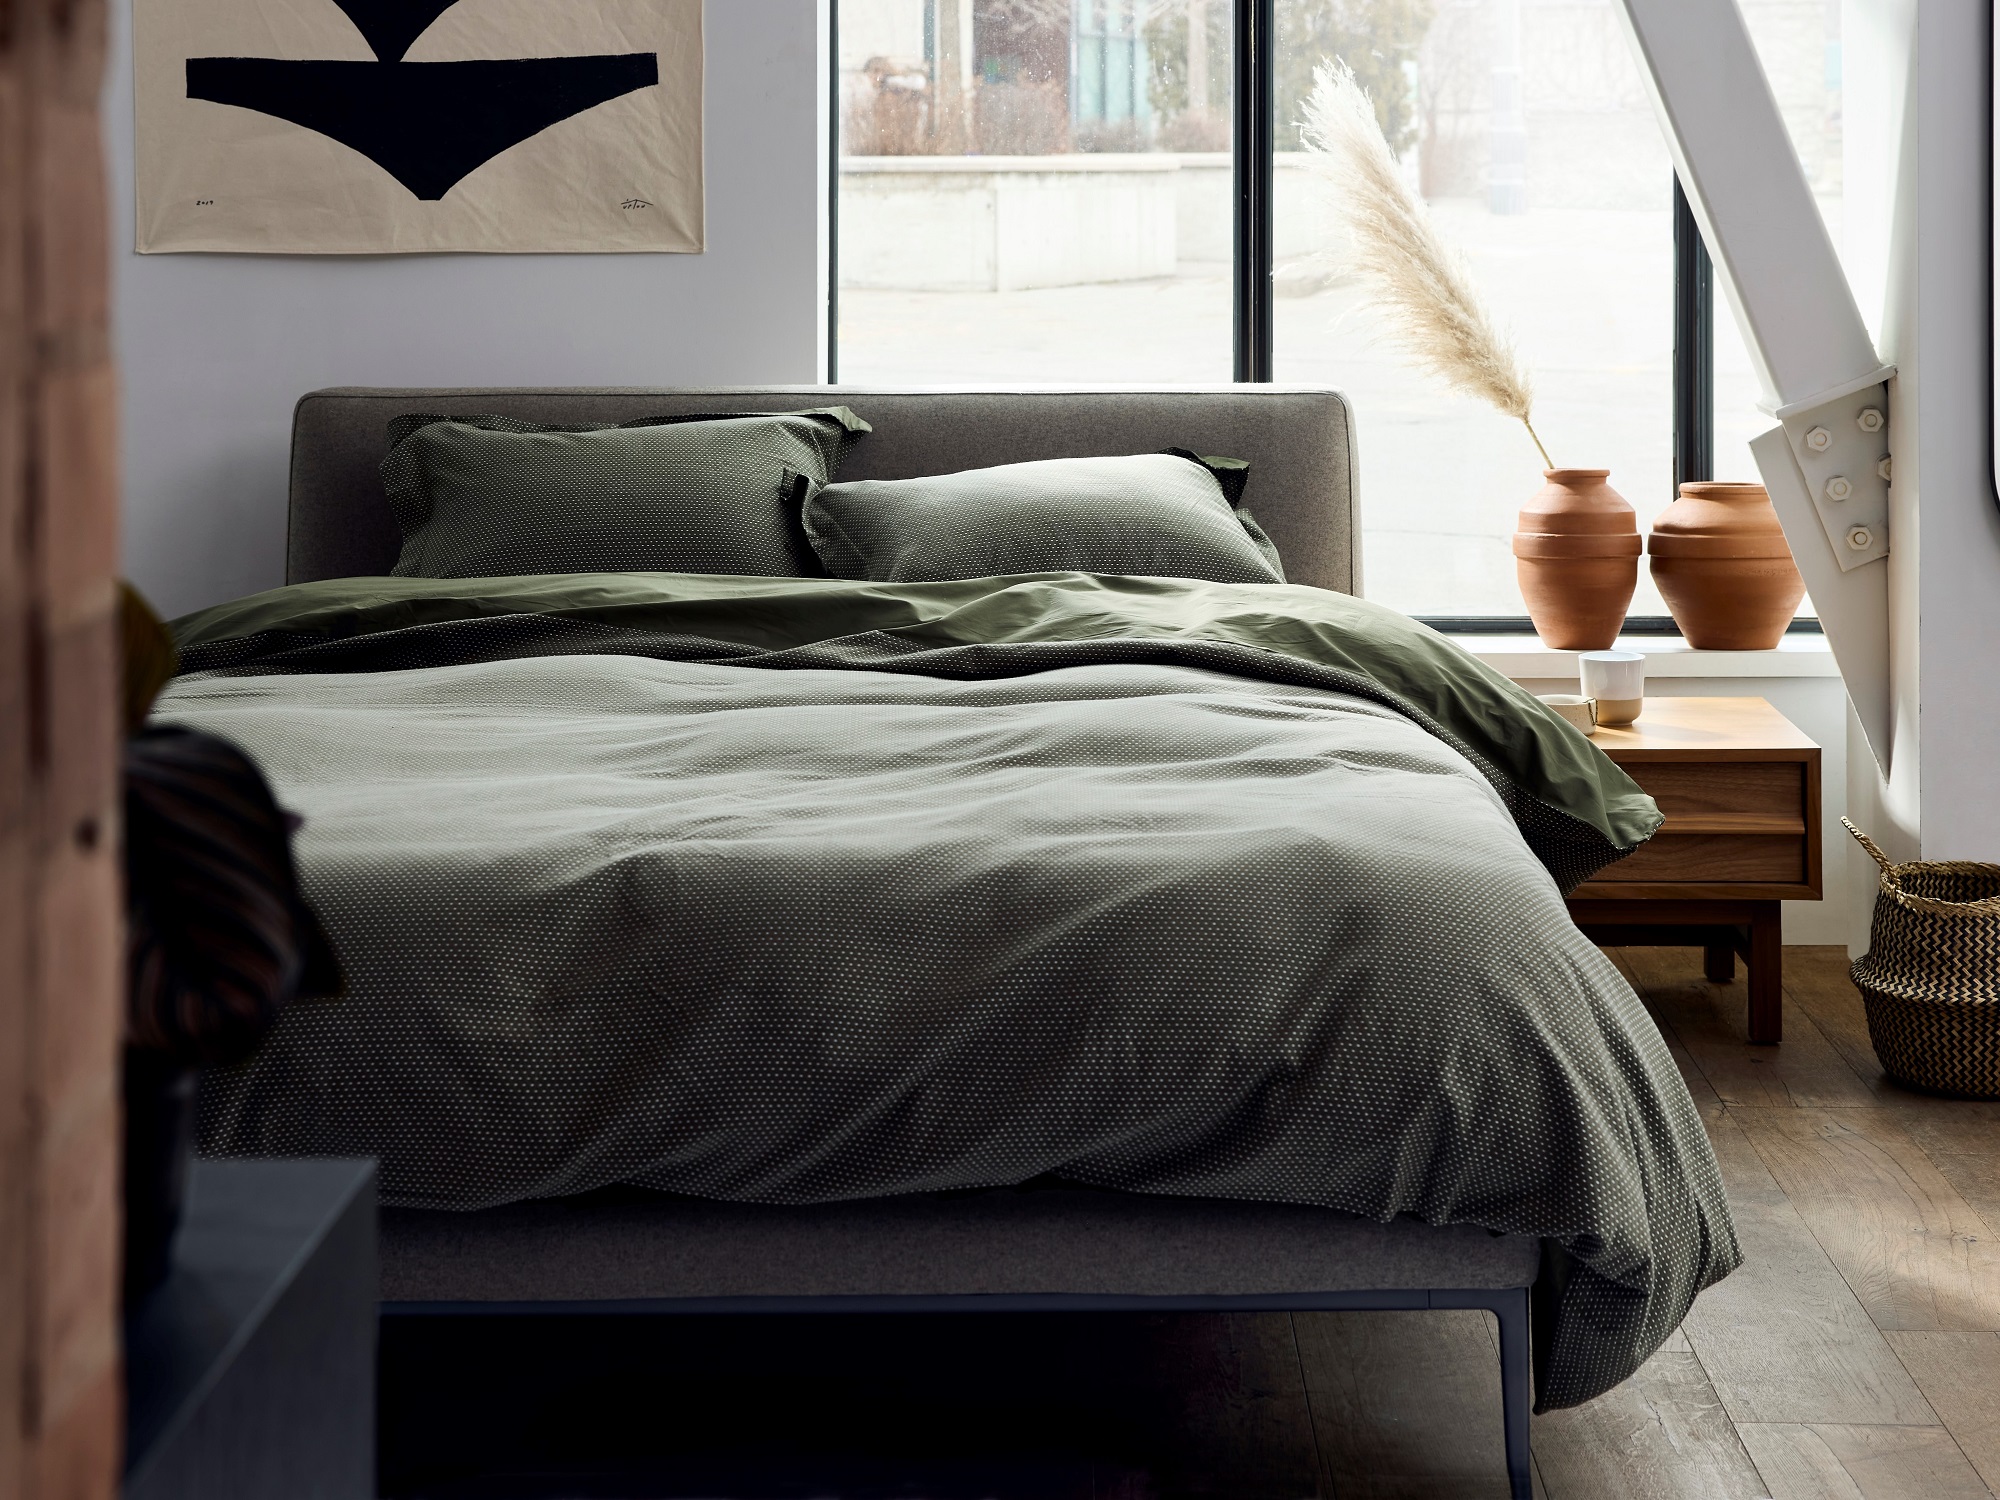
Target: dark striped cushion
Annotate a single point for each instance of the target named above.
(219, 937)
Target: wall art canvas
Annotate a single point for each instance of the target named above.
(391, 126)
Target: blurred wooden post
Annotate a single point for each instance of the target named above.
(60, 944)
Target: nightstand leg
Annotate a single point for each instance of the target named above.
(1767, 974)
(1719, 963)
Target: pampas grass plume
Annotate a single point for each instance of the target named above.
(1423, 282)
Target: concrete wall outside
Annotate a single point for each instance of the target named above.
(960, 224)
(1301, 225)
(972, 224)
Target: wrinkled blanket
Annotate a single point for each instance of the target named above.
(785, 891)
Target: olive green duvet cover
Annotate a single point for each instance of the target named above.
(789, 890)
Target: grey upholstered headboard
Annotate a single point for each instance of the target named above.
(1299, 442)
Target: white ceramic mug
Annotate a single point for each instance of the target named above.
(1579, 711)
(1617, 680)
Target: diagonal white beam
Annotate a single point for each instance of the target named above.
(1825, 466)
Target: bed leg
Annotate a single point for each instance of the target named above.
(1516, 1386)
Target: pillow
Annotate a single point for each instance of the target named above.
(483, 497)
(1166, 514)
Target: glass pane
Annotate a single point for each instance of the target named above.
(1035, 190)
(1525, 126)
(1799, 45)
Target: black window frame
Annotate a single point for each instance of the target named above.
(1253, 105)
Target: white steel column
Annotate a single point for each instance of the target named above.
(1827, 464)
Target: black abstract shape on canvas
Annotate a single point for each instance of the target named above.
(392, 25)
(427, 124)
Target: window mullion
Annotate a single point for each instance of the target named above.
(1254, 147)
(1694, 349)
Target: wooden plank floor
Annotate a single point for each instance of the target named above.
(1856, 1356)
(1857, 1353)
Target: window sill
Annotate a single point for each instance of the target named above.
(1667, 657)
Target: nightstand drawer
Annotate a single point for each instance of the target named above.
(1737, 821)
(1705, 788)
(1777, 857)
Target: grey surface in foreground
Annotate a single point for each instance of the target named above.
(629, 1246)
(250, 1372)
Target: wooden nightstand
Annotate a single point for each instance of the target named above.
(1740, 787)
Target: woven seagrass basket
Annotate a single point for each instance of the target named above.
(1931, 977)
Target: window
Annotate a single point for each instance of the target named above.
(1034, 190)
(1049, 190)
(1528, 130)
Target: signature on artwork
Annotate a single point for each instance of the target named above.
(635, 203)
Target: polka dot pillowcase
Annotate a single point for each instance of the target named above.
(1165, 515)
(490, 496)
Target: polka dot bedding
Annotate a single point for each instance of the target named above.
(1164, 514)
(777, 929)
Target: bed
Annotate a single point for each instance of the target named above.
(1033, 942)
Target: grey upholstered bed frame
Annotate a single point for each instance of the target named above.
(1013, 1250)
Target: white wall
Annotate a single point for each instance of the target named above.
(1959, 544)
(1918, 230)
(215, 349)
(1880, 88)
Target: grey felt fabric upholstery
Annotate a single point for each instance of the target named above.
(1152, 514)
(1299, 442)
(491, 496)
(618, 1245)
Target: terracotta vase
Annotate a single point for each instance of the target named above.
(1721, 563)
(1577, 556)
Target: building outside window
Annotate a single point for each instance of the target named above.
(1111, 90)
(1042, 191)
(1034, 190)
